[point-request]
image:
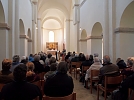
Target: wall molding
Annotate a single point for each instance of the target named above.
(94, 37)
(23, 36)
(83, 40)
(82, 3)
(4, 26)
(75, 5)
(30, 40)
(124, 30)
(68, 20)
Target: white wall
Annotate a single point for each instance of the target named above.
(5, 7)
(25, 13)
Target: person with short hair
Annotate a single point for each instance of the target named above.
(16, 59)
(6, 75)
(20, 89)
(60, 84)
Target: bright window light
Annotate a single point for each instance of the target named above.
(51, 36)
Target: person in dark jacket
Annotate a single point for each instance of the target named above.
(60, 84)
(19, 89)
(121, 64)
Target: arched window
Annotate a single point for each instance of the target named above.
(51, 36)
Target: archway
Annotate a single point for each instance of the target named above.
(23, 39)
(83, 41)
(125, 37)
(96, 39)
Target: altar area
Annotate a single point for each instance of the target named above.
(52, 47)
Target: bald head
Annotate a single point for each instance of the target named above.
(106, 59)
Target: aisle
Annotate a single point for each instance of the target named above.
(83, 93)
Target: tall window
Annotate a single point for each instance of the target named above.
(51, 36)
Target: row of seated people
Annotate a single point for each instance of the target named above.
(107, 68)
(57, 84)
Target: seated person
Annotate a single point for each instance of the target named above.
(95, 66)
(120, 63)
(19, 89)
(59, 85)
(6, 75)
(30, 75)
(122, 93)
(53, 70)
(24, 60)
(107, 69)
(128, 70)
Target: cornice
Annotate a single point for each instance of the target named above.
(83, 40)
(4, 26)
(69, 20)
(38, 18)
(124, 30)
(23, 36)
(94, 37)
(75, 5)
(30, 40)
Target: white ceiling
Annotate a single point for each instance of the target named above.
(56, 10)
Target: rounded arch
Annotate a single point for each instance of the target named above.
(22, 29)
(29, 33)
(127, 18)
(54, 19)
(83, 34)
(2, 14)
(97, 29)
(53, 5)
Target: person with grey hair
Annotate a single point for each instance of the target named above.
(108, 68)
(38, 66)
(16, 59)
(60, 84)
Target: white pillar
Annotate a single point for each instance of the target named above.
(17, 32)
(106, 29)
(67, 44)
(39, 35)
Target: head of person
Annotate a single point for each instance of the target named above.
(96, 59)
(62, 67)
(6, 64)
(16, 58)
(87, 57)
(36, 57)
(118, 59)
(106, 59)
(31, 55)
(24, 59)
(30, 66)
(53, 67)
(130, 61)
(20, 73)
(69, 53)
(96, 55)
(49, 55)
(91, 57)
(52, 60)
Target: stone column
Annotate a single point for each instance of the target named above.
(106, 29)
(17, 32)
(67, 44)
(23, 43)
(29, 46)
(4, 42)
(39, 35)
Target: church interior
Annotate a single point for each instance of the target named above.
(105, 27)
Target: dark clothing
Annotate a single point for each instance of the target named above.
(20, 91)
(58, 85)
(66, 58)
(108, 69)
(38, 67)
(121, 64)
(123, 90)
(127, 71)
(86, 63)
(33, 78)
(75, 59)
(6, 76)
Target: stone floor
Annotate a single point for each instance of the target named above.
(83, 93)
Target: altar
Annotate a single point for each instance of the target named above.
(51, 51)
(52, 47)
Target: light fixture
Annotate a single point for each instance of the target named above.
(80, 28)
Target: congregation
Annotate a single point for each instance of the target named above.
(19, 75)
